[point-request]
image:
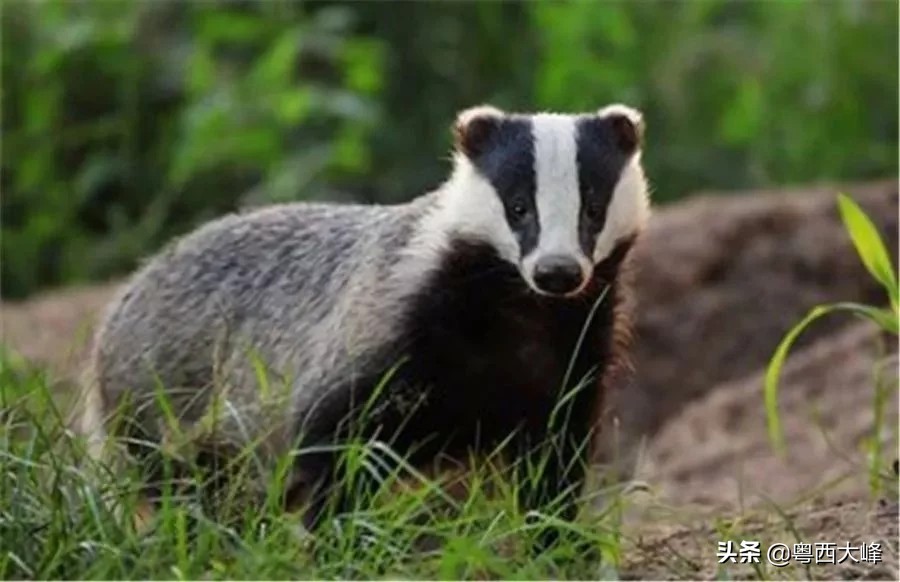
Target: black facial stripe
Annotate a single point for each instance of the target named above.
(600, 163)
(508, 164)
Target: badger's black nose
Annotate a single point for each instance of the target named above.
(557, 274)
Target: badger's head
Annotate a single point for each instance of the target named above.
(553, 194)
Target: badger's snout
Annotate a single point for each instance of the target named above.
(557, 275)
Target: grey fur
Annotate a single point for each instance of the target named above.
(312, 291)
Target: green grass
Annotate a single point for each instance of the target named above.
(63, 516)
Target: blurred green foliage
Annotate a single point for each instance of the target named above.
(125, 123)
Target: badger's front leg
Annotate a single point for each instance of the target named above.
(324, 432)
(553, 464)
(343, 419)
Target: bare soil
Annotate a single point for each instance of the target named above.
(54, 328)
(682, 544)
(826, 396)
(720, 279)
(713, 475)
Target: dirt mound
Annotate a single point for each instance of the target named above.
(721, 279)
(716, 449)
(54, 329)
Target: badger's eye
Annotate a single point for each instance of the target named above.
(518, 209)
(594, 211)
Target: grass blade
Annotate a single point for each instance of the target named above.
(869, 245)
(885, 319)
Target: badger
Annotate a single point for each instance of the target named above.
(464, 319)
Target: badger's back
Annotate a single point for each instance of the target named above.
(261, 309)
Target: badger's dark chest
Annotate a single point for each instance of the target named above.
(485, 356)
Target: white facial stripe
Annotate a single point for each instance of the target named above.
(557, 194)
(628, 209)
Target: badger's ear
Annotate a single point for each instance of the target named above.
(474, 128)
(627, 125)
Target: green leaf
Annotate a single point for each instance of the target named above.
(363, 61)
(277, 66)
(219, 25)
(885, 319)
(869, 245)
(743, 117)
(293, 105)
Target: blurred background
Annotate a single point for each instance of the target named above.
(126, 123)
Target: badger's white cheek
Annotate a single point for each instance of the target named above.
(475, 209)
(628, 210)
(494, 227)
